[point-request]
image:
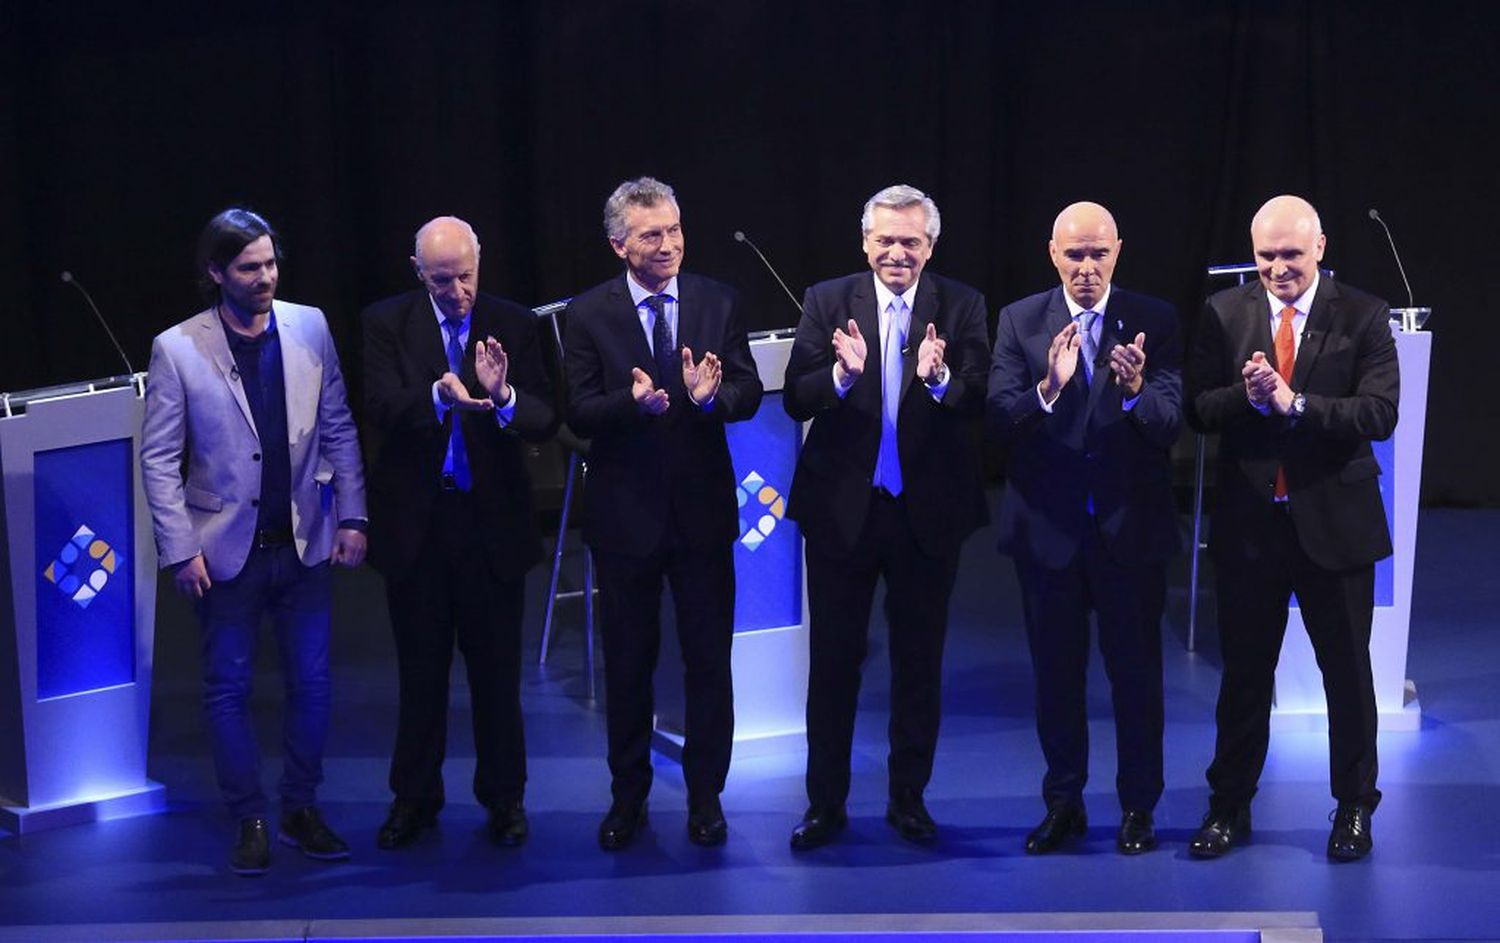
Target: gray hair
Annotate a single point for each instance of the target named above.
(899, 197)
(435, 222)
(642, 191)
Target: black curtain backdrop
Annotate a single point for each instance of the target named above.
(122, 129)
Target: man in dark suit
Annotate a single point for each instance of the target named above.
(888, 366)
(660, 500)
(1298, 375)
(454, 382)
(1089, 419)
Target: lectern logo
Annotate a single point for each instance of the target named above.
(761, 507)
(82, 568)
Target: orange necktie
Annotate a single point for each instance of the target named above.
(1286, 361)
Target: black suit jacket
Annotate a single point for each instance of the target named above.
(1089, 445)
(1346, 366)
(404, 354)
(652, 478)
(940, 467)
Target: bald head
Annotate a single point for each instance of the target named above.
(447, 261)
(1085, 217)
(1084, 248)
(1288, 240)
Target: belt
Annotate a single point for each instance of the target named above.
(272, 538)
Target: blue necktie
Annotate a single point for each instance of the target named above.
(888, 461)
(1089, 352)
(459, 455)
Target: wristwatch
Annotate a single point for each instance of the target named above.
(1299, 408)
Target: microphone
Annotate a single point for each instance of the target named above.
(741, 237)
(1410, 299)
(68, 277)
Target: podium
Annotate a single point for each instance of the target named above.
(79, 607)
(1300, 702)
(770, 654)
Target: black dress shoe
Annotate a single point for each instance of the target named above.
(403, 824)
(818, 827)
(507, 825)
(706, 825)
(306, 831)
(1221, 830)
(908, 815)
(1137, 833)
(251, 856)
(620, 825)
(1350, 839)
(1064, 821)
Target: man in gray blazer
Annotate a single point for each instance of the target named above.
(250, 394)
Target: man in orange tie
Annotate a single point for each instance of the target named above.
(1298, 376)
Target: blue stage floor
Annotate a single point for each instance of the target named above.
(1434, 875)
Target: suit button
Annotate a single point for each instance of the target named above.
(255, 502)
(255, 457)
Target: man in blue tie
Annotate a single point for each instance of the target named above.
(1088, 419)
(454, 388)
(888, 366)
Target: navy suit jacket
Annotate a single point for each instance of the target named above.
(940, 467)
(1089, 446)
(1346, 367)
(404, 355)
(657, 478)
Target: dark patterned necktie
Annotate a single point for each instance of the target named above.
(668, 364)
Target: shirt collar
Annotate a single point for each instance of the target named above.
(1075, 309)
(639, 294)
(883, 295)
(236, 339)
(463, 326)
(1303, 304)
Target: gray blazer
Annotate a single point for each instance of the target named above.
(196, 406)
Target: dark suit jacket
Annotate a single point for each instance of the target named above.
(940, 467)
(1347, 369)
(1089, 445)
(404, 355)
(657, 477)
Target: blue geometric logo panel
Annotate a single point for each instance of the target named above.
(85, 594)
(768, 553)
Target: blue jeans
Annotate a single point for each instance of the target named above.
(297, 598)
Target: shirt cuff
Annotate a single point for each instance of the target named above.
(941, 387)
(438, 406)
(506, 414)
(840, 391)
(1046, 406)
(1129, 404)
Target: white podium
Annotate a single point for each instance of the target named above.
(1300, 703)
(79, 606)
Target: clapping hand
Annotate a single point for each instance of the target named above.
(702, 379)
(648, 399)
(850, 349)
(492, 365)
(1128, 361)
